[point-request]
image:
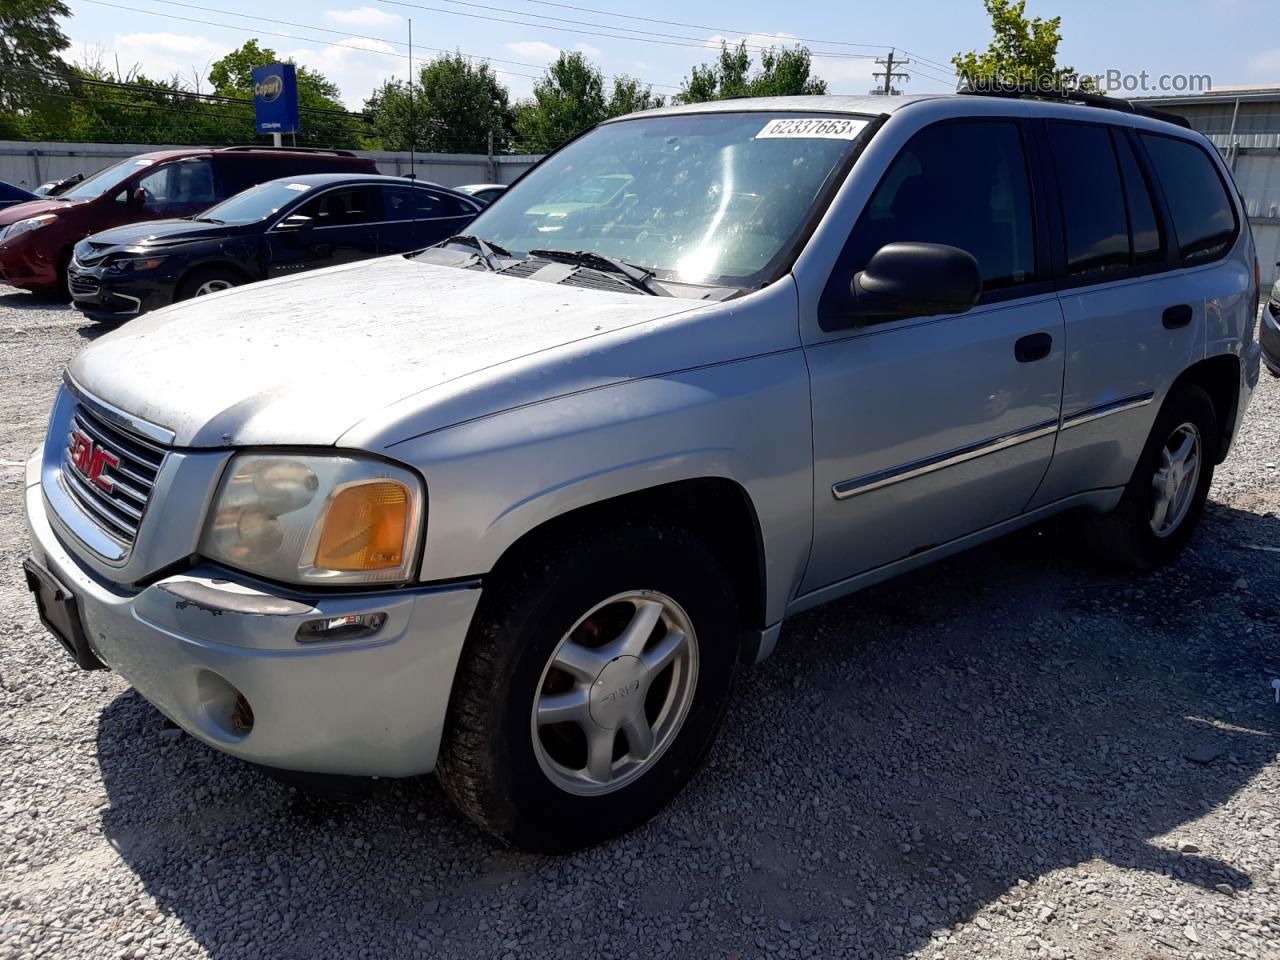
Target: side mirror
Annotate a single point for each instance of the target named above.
(294, 222)
(137, 197)
(915, 280)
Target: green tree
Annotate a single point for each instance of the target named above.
(571, 98)
(456, 105)
(325, 121)
(783, 72)
(30, 38)
(629, 96)
(1023, 53)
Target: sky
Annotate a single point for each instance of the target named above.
(360, 43)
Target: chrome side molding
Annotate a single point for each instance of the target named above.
(1107, 409)
(919, 468)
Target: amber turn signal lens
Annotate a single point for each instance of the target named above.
(365, 527)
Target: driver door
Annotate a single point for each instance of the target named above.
(926, 429)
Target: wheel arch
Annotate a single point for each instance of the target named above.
(717, 509)
(1219, 376)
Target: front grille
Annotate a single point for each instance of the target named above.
(117, 510)
(81, 285)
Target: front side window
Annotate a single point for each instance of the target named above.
(343, 208)
(1203, 217)
(718, 198)
(963, 184)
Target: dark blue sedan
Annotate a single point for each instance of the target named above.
(277, 228)
(9, 195)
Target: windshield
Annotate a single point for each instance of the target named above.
(702, 198)
(257, 203)
(104, 180)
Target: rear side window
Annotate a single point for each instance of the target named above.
(1146, 234)
(1095, 219)
(236, 173)
(1203, 217)
(964, 184)
(405, 203)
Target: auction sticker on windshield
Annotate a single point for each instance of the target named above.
(827, 128)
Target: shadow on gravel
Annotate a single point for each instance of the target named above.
(909, 756)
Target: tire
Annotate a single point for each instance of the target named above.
(1128, 537)
(207, 280)
(534, 786)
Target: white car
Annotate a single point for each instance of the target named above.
(516, 508)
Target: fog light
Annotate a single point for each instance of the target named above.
(349, 627)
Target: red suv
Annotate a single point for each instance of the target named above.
(36, 237)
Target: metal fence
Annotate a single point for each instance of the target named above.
(28, 164)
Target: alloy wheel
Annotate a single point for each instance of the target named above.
(1175, 479)
(615, 692)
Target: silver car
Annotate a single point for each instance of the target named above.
(516, 508)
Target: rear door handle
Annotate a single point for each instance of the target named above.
(1032, 347)
(1178, 316)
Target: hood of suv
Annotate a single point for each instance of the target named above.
(303, 359)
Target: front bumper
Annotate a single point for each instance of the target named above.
(1269, 337)
(25, 264)
(118, 296)
(191, 642)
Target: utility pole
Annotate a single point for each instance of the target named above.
(889, 74)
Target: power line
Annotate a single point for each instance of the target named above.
(890, 74)
(343, 33)
(676, 40)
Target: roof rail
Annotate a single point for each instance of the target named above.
(1080, 97)
(269, 147)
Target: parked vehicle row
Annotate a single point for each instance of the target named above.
(274, 229)
(515, 507)
(37, 237)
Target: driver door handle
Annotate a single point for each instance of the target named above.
(1032, 347)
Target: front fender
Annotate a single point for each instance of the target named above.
(491, 481)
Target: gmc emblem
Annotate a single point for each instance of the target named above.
(92, 460)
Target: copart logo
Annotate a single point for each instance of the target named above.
(269, 89)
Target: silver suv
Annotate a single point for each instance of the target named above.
(516, 507)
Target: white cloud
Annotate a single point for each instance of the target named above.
(588, 51)
(362, 17)
(156, 55)
(534, 50)
(357, 66)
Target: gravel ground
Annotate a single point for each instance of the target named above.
(1007, 755)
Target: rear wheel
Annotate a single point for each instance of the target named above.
(1165, 496)
(592, 685)
(207, 280)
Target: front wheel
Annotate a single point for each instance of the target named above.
(207, 280)
(1165, 496)
(593, 683)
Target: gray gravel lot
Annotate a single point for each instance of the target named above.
(1007, 755)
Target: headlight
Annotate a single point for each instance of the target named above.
(316, 519)
(26, 226)
(127, 264)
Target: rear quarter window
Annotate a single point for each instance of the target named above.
(1203, 216)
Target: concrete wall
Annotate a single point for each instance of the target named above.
(28, 164)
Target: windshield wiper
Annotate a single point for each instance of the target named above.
(207, 220)
(637, 277)
(488, 253)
